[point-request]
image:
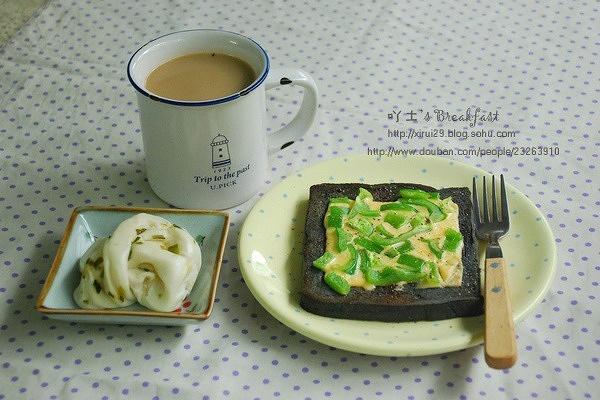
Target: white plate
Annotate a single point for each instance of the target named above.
(270, 255)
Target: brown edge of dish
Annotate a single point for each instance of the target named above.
(67, 234)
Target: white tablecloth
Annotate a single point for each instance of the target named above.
(69, 136)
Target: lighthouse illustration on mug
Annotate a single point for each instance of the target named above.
(220, 151)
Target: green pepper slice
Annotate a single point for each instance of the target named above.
(362, 209)
(418, 220)
(335, 218)
(414, 263)
(453, 239)
(322, 261)
(391, 252)
(433, 277)
(404, 247)
(343, 239)
(394, 219)
(368, 244)
(362, 225)
(397, 206)
(418, 194)
(337, 283)
(365, 260)
(350, 266)
(435, 212)
(385, 241)
(417, 229)
(367, 212)
(358, 206)
(364, 194)
(381, 229)
(391, 275)
(434, 248)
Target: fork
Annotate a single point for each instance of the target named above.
(500, 344)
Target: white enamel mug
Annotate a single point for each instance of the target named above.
(213, 154)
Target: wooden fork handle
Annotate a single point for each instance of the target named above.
(500, 344)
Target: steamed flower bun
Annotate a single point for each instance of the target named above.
(147, 259)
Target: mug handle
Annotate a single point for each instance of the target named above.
(303, 120)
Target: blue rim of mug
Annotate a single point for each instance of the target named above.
(243, 92)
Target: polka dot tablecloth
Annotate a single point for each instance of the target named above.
(70, 136)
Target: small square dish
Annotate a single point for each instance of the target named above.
(89, 223)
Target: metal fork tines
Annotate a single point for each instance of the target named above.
(491, 228)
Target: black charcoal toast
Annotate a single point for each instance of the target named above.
(388, 303)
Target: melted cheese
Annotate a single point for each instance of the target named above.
(450, 265)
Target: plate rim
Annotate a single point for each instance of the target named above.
(391, 351)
